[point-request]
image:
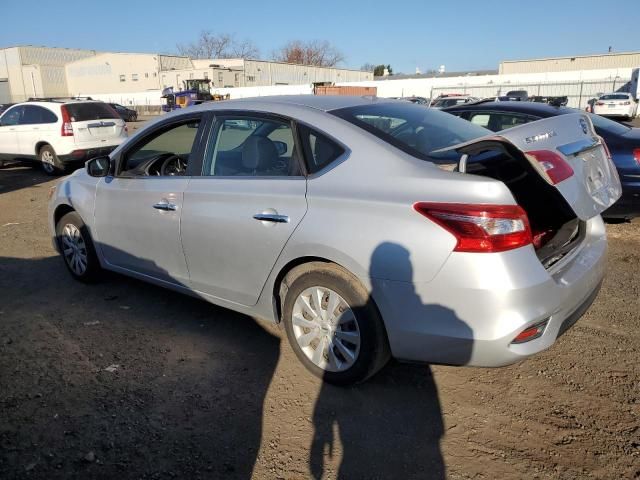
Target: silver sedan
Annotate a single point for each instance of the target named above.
(369, 228)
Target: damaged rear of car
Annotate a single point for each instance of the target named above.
(521, 272)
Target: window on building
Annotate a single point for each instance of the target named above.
(134, 77)
(146, 75)
(220, 77)
(206, 75)
(123, 78)
(251, 78)
(155, 74)
(191, 75)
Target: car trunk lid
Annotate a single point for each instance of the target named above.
(592, 187)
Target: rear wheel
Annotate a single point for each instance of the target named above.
(76, 248)
(50, 162)
(333, 325)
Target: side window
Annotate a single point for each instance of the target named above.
(320, 150)
(11, 117)
(37, 115)
(251, 147)
(164, 153)
(504, 120)
(481, 119)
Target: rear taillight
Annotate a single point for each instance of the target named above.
(626, 103)
(606, 148)
(600, 104)
(67, 128)
(480, 228)
(554, 167)
(636, 155)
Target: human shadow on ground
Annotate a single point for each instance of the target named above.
(390, 426)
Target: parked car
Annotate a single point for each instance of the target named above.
(60, 134)
(616, 105)
(127, 114)
(517, 95)
(451, 101)
(353, 237)
(623, 142)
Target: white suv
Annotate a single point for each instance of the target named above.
(59, 133)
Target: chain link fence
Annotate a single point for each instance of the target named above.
(577, 93)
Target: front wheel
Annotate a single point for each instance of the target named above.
(332, 324)
(77, 249)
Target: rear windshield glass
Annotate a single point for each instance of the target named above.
(413, 128)
(615, 96)
(81, 112)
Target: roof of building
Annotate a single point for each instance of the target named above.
(563, 57)
(470, 73)
(319, 102)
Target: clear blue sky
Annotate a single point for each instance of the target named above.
(407, 34)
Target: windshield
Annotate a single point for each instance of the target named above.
(412, 128)
(615, 96)
(81, 112)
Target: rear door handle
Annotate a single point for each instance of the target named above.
(271, 217)
(166, 206)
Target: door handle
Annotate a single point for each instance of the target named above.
(167, 207)
(271, 217)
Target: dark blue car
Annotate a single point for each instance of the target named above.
(623, 141)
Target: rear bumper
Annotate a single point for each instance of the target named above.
(472, 310)
(613, 112)
(81, 155)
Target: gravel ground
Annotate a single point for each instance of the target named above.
(123, 379)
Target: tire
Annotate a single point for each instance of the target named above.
(50, 162)
(70, 231)
(344, 359)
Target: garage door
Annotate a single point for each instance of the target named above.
(5, 94)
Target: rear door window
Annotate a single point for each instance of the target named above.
(34, 114)
(82, 112)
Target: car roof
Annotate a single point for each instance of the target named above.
(534, 108)
(319, 102)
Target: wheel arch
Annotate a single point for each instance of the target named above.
(41, 144)
(60, 211)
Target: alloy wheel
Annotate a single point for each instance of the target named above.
(47, 161)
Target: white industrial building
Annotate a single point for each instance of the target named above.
(27, 71)
(572, 63)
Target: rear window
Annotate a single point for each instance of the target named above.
(81, 112)
(615, 96)
(412, 128)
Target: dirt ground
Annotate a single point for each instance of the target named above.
(127, 380)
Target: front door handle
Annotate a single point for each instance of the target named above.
(271, 217)
(166, 206)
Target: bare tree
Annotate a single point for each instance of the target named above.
(368, 67)
(218, 45)
(244, 49)
(315, 52)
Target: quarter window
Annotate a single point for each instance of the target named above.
(320, 150)
(251, 147)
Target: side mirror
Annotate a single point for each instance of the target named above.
(98, 166)
(281, 147)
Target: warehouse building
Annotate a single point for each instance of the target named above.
(571, 63)
(27, 71)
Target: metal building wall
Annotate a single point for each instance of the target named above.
(262, 73)
(562, 64)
